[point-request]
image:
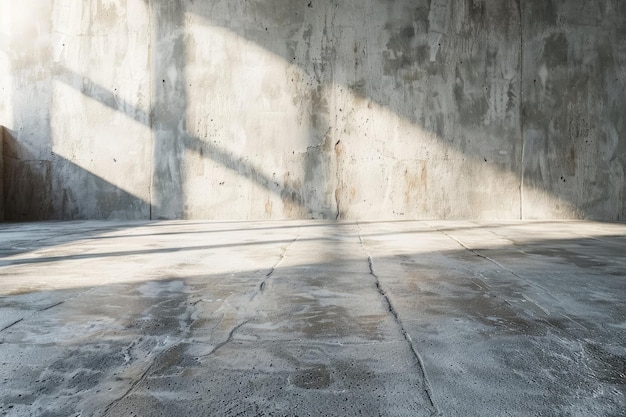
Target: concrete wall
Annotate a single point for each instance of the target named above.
(1, 176)
(574, 123)
(77, 104)
(234, 109)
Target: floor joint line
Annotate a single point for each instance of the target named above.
(418, 358)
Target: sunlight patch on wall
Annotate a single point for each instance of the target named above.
(6, 79)
(100, 140)
(6, 94)
(105, 53)
(248, 124)
(392, 167)
(269, 133)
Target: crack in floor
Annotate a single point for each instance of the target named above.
(493, 261)
(184, 335)
(554, 328)
(283, 255)
(68, 299)
(141, 378)
(231, 334)
(394, 313)
(32, 315)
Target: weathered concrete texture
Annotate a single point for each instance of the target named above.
(1, 173)
(78, 143)
(313, 318)
(411, 102)
(480, 109)
(574, 124)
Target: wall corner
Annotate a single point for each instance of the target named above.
(1, 173)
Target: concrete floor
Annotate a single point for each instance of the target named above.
(313, 318)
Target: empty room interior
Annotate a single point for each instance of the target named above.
(313, 208)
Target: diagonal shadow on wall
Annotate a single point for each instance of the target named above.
(457, 70)
(34, 199)
(282, 29)
(453, 71)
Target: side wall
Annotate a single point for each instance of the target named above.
(272, 109)
(1, 174)
(78, 143)
(574, 84)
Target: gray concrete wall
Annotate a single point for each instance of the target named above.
(479, 109)
(77, 110)
(574, 124)
(1, 174)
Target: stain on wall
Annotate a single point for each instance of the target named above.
(479, 109)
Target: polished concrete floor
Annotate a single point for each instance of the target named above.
(305, 318)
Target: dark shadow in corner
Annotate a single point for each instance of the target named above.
(34, 195)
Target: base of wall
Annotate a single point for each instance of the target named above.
(1, 174)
